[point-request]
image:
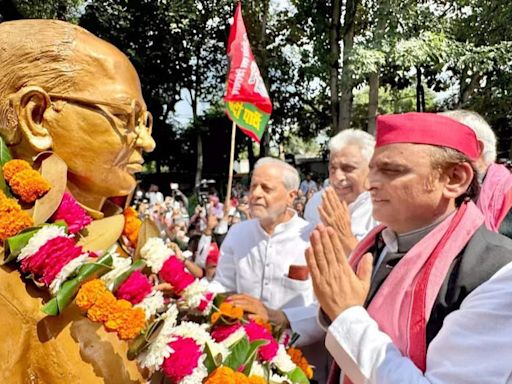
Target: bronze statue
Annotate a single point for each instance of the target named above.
(64, 90)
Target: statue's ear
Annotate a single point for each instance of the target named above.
(30, 103)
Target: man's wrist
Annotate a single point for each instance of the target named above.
(278, 318)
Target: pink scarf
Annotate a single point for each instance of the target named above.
(403, 303)
(495, 198)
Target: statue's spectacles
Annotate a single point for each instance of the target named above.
(134, 117)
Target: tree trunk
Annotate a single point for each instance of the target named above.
(374, 78)
(419, 90)
(467, 90)
(334, 42)
(199, 157)
(373, 101)
(346, 86)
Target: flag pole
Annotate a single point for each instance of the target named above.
(231, 161)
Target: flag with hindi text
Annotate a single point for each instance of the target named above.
(247, 101)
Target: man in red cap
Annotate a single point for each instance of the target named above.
(425, 297)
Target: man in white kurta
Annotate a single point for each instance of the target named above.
(256, 256)
(345, 204)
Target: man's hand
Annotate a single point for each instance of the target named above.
(176, 249)
(251, 305)
(259, 310)
(336, 285)
(334, 213)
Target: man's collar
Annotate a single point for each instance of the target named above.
(360, 200)
(283, 226)
(404, 242)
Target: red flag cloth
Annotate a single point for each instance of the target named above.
(247, 100)
(427, 128)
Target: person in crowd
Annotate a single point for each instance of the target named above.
(495, 199)
(259, 258)
(154, 195)
(426, 296)
(346, 203)
(298, 206)
(215, 206)
(308, 184)
(64, 90)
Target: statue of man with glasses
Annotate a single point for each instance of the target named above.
(64, 90)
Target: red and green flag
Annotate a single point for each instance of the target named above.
(247, 102)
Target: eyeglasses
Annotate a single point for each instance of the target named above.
(136, 120)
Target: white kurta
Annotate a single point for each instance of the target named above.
(473, 346)
(361, 218)
(256, 263)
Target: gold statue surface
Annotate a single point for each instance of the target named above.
(64, 90)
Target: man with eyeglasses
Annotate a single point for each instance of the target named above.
(64, 90)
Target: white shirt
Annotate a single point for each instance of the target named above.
(473, 346)
(253, 262)
(361, 218)
(306, 186)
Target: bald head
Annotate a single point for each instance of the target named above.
(54, 55)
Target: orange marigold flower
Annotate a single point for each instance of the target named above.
(133, 324)
(227, 310)
(221, 375)
(300, 361)
(29, 185)
(263, 323)
(131, 225)
(257, 380)
(12, 167)
(102, 308)
(13, 218)
(88, 294)
(240, 378)
(119, 314)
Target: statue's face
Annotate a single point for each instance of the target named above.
(102, 126)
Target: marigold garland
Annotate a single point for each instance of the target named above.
(29, 185)
(229, 311)
(225, 375)
(88, 294)
(103, 307)
(12, 167)
(117, 315)
(131, 226)
(300, 361)
(12, 218)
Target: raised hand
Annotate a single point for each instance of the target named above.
(337, 286)
(334, 213)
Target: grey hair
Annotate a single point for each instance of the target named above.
(362, 139)
(482, 130)
(291, 178)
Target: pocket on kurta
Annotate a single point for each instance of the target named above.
(296, 292)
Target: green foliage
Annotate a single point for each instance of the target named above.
(5, 156)
(68, 10)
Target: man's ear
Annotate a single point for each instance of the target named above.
(459, 178)
(481, 147)
(30, 103)
(292, 194)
